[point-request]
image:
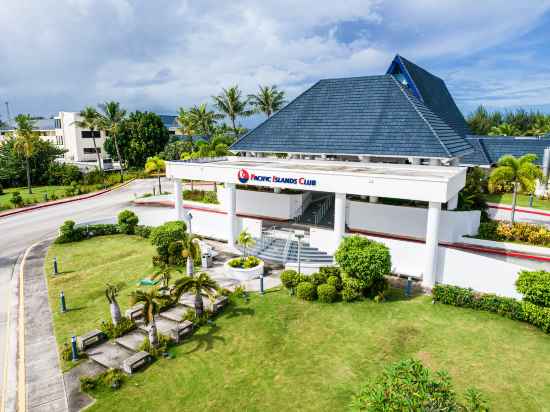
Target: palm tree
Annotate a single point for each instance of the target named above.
(186, 126)
(268, 100)
(521, 173)
(232, 105)
(91, 121)
(202, 120)
(246, 240)
(191, 251)
(199, 285)
(155, 165)
(505, 129)
(540, 127)
(110, 121)
(25, 142)
(152, 301)
(111, 292)
(164, 273)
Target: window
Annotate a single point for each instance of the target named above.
(59, 140)
(87, 134)
(90, 150)
(57, 123)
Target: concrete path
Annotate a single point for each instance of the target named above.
(523, 214)
(45, 390)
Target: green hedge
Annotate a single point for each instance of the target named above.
(327, 293)
(535, 287)
(509, 307)
(170, 232)
(306, 291)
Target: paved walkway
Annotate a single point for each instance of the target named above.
(523, 214)
(45, 389)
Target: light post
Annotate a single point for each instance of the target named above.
(74, 349)
(189, 217)
(299, 234)
(55, 268)
(63, 303)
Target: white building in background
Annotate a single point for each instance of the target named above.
(63, 132)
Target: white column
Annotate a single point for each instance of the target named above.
(452, 204)
(432, 232)
(231, 213)
(373, 199)
(178, 200)
(365, 159)
(435, 162)
(416, 161)
(339, 217)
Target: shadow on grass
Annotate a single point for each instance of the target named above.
(237, 311)
(205, 340)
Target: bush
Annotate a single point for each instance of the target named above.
(245, 262)
(125, 325)
(69, 233)
(306, 291)
(201, 196)
(1, 189)
(535, 287)
(318, 278)
(330, 271)
(350, 294)
(511, 308)
(16, 199)
(327, 293)
(165, 342)
(537, 235)
(364, 259)
(127, 222)
(111, 379)
(163, 235)
(290, 279)
(100, 229)
(143, 231)
(335, 281)
(409, 386)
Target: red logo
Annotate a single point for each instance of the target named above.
(243, 176)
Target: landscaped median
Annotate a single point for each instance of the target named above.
(277, 352)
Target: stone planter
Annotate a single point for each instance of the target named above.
(243, 274)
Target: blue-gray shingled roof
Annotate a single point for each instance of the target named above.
(371, 115)
(488, 149)
(434, 93)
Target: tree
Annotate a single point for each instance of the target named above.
(505, 129)
(268, 100)
(164, 274)
(202, 120)
(110, 121)
(155, 165)
(186, 125)
(140, 135)
(199, 285)
(521, 173)
(91, 121)
(152, 301)
(111, 293)
(190, 251)
(246, 240)
(480, 122)
(540, 127)
(176, 149)
(26, 140)
(232, 105)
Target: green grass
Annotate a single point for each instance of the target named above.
(279, 353)
(522, 200)
(37, 195)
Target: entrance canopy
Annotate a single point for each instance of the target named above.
(415, 182)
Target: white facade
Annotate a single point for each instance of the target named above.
(77, 141)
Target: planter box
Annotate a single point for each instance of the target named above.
(243, 274)
(509, 246)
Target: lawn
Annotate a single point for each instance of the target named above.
(37, 195)
(522, 200)
(278, 353)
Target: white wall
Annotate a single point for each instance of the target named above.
(483, 273)
(410, 221)
(275, 205)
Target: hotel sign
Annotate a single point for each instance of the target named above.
(245, 176)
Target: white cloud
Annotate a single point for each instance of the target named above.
(64, 54)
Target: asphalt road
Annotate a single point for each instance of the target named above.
(19, 231)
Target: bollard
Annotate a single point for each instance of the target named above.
(262, 284)
(154, 191)
(408, 287)
(531, 200)
(55, 269)
(74, 349)
(63, 303)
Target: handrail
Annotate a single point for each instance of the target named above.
(286, 249)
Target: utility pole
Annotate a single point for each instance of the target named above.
(8, 112)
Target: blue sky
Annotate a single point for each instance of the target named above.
(65, 54)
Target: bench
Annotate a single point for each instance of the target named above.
(182, 330)
(218, 303)
(135, 362)
(135, 312)
(91, 338)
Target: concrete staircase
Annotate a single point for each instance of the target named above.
(280, 250)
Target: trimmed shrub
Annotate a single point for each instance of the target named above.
(350, 294)
(335, 281)
(16, 200)
(290, 279)
(69, 233)
(162, 236)
(248, 262)
(318, 278)
(363, 259)
(143, 231)
(535, 287)
(511, 308)
(111, 379)
(409, 386)
(165, 342)
(327, 293)
(127, 222)
(330, 271)
(306, 291)
(538, 235)
(100, 230)
(112, 331)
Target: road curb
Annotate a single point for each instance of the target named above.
(63, 201)
(504, 206)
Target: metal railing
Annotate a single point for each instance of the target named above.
(286, 249)
(323, 209)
